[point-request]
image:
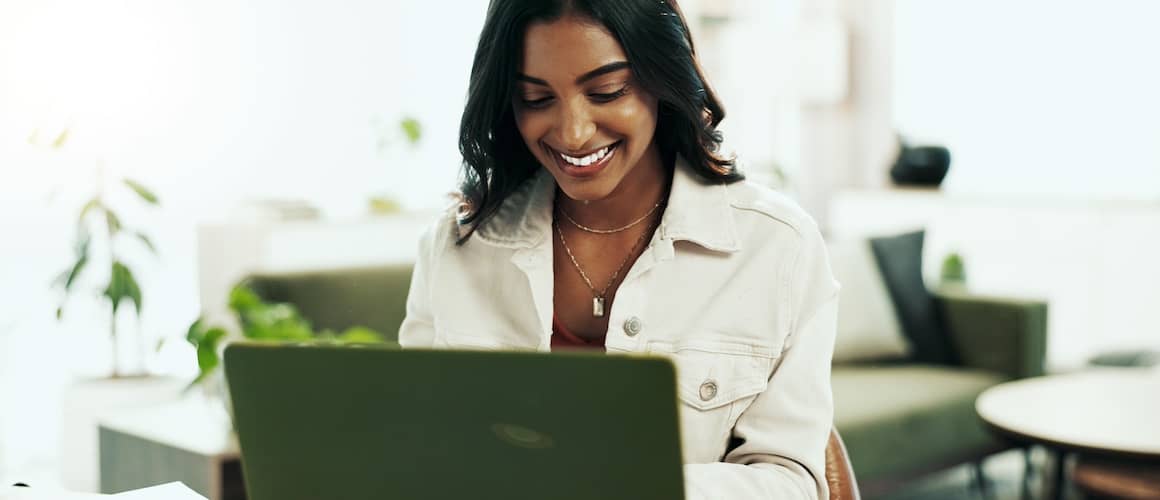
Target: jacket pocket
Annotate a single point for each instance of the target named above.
(717, 379)
(715, 372)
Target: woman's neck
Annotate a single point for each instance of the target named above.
(646, 185)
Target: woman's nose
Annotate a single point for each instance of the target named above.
(576, 127)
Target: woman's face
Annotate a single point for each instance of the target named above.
(579, 110)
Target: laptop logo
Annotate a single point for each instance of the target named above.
(522, 437)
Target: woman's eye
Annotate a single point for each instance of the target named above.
(603, 98)
(535, 103)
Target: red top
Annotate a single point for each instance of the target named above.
(562, 339)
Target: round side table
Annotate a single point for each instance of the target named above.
(1106, 413)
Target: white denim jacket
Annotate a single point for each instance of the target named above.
(735, 287)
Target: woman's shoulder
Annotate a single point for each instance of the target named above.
(444, 229)
(772, 221)
(767, 206)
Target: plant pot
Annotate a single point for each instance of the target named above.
(85, 402)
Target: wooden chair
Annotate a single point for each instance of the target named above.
(839, 472)
(1111, 477)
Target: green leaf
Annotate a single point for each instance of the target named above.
(243, 299)
(59, 312)
(207, 342)
(207, 358)
(196, 332)
(148, 242)
(201, 376)
(84, 239)
(141, 191)
(61, 278)
(76, 271)
(93, 204)
(115, 290)
(262, 321)
(207, 349)
(412, 129)
(360, 335)
(122, 285)
(60, 140)
(383, 205)
(133, 290)
(276, 322)
(113, 221)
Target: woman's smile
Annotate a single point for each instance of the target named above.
(584, 165)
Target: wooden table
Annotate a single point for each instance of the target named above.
(1100, 414)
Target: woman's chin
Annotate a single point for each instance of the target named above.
(583, 191)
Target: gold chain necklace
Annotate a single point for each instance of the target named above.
(598, 297)
(609, 231)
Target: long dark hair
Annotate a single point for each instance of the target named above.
(660, 52)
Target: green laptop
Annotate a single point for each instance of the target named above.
(344, 423)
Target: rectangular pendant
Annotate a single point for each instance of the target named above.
(597, 307)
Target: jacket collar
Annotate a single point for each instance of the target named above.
(698, 211)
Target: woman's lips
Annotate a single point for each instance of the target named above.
(586, 170)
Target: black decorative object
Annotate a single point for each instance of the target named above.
(920, 165)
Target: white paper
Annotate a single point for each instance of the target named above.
(168, 491)
(47, 494)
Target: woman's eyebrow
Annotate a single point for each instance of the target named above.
(603, 70)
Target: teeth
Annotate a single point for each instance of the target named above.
(587, 160)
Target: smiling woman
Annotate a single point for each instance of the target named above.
(598, 215)
(606, 95)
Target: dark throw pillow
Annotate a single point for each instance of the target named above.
(900, 261)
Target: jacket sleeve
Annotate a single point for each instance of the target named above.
(418, 327)
(783, 433)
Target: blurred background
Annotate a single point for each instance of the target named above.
(227, 138)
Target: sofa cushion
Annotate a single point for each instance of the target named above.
(868, 328)
(900, 260)
(908, 417)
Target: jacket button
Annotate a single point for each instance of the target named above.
(708, 390)
(632, 326)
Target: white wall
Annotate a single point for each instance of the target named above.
(236, 99)
(845, 137)
(1035, 96)
(209, 102)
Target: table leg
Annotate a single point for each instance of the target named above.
(1059, 479)
(1028, 470)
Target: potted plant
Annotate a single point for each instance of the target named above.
(108, 252)
(99, 245)
(262, 321)
(953, 273)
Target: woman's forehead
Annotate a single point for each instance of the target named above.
(567, 48)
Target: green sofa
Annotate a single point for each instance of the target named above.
(902, 420)
(336, 299)
(899, 420)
